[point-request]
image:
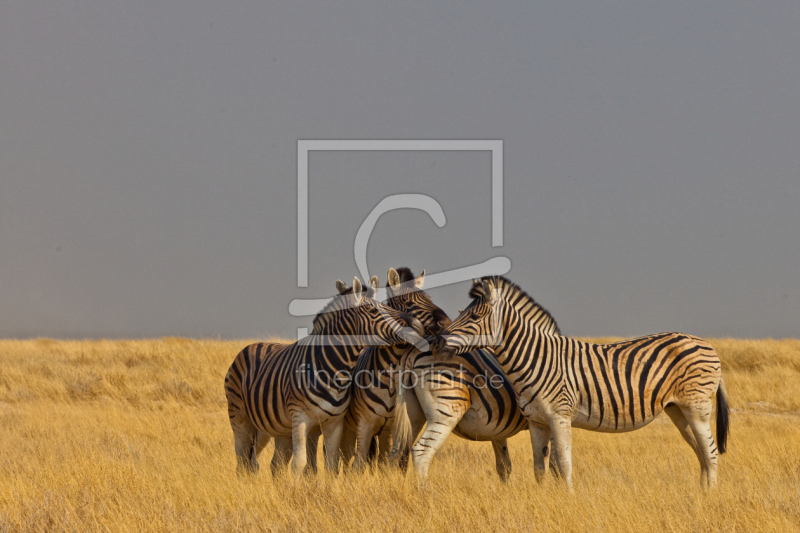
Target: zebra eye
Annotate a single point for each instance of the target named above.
(474, 315)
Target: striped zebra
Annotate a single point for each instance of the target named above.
(468, 395)
(291, 391)
(562, 382)
(478, 403)
(375, 375)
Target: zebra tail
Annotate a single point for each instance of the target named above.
(722, 417)
(401, 425)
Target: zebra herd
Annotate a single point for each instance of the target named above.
(362, 382)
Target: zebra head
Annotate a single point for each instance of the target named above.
(356, 313)
(477, 326)
(404, 292)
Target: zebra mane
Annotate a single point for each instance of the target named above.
(405, 274)
(520, 299)
(338, 303)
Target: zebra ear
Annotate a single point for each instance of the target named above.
(394, 279)
(374, 282)
(340, 286)
(420, 280)
(488, 292)
(357, 289)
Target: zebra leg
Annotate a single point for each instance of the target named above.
(699, 419)
(347, 447)
(562, 439)
(502, 461)
(675, 414)
(364, 435)
(442, 417)
(300, 429)
(244, 434)
(384, 447)
(417, 419)
(554, 469)
(281, 456)
(431, 440)
(372, 453)
(540, 442)
(443, 400)
(261, 441)
(312, 445)
(331, 437)
(416, 429)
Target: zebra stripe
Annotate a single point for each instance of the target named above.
(562, 382)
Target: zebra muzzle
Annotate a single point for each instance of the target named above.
(440, 322)
(414, 333)
(417, 326)
(441, 350)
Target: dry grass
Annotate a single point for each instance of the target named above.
(133, 435)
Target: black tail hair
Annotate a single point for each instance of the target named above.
(722, 417)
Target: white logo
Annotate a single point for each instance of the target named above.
(495, 266)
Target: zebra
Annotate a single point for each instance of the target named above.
(562, 382)
(374, 377)
(291, 391)
(480, 400)
(468, 395)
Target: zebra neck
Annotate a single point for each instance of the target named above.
(520, 332)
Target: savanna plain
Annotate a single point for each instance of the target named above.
(134, 436)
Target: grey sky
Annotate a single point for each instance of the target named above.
(148, 160)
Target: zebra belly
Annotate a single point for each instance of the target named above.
(610, 424)
(474, 425)
(542, 410)
(491, 417)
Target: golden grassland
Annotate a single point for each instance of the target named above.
(134, 436)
